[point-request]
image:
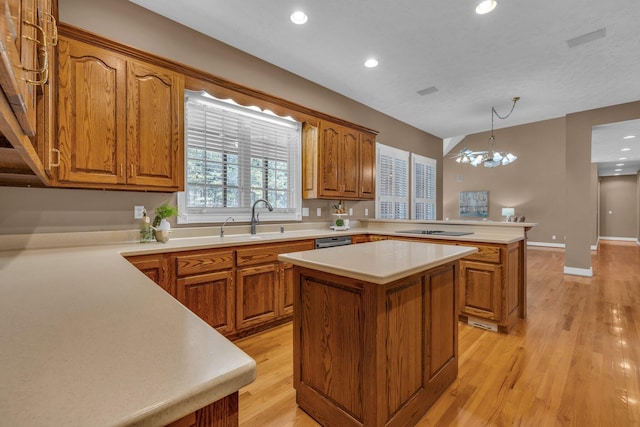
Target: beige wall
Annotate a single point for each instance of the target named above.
(48, 210)
(618, 206)
(553, 182)
(533, 185)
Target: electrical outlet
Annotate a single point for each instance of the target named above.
(366, 212)
(138, 212)
(319, 212)
(553, 237)
(350, 211)
(305, 211)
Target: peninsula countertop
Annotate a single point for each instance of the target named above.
(86, 339)
(379, 262)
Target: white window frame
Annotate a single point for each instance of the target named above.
(398, 156)
(192, 215)
(428, 180)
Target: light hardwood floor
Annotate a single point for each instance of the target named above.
(573, 362)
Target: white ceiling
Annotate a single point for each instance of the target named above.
(475, 61)
(607, 143)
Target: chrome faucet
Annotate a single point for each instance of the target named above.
(223, 224)
(255, 219)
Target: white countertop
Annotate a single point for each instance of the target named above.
(379, 262)
(86, 339)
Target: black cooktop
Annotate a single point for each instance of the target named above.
(437, 232)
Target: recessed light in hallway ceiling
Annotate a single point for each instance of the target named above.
(299, 17)
(371, 63)
(486, 6)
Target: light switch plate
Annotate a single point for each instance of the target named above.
(138, 212)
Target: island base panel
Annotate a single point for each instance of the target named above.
(374, 355)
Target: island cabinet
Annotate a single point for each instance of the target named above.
(119, 120)
(338, 162)
(264, 291)
(375, 331)
(204, 284)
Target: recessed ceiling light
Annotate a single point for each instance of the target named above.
(618, 170)
(629, 137)
(371, 63)
(626, 149)
(299, 17)
(622, 158)
(619, 164)
(486, 6)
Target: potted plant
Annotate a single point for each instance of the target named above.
(161, 226)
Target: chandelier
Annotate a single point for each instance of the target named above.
(490, 158)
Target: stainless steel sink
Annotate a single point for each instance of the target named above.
(437, 232)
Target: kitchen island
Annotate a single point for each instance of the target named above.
(375, 330)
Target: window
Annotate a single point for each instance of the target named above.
(392, 176)
(236, 155)
(423, 187)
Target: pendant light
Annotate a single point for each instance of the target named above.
(490, 158)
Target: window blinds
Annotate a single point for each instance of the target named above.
(236, 155)
(423, 187)
(392, 201)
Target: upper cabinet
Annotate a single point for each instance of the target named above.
(23, 61)
(338, 162)
(119, 121)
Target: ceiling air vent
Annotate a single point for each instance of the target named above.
(428, 91)
(587, 38)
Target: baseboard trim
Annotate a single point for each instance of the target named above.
(621, 239)
(584, 272)
(546, 244)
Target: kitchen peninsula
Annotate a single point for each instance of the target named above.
(375, 330)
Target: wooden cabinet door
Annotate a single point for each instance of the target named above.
(349, 170)
(442, 322)
(154, 126)
(210, 297)
(330, 163)
(155, 268)
(286, 289)
(257, 296)
(91, 123)
(480, 290)
(367, 166)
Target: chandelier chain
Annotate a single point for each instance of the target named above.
(493, 111)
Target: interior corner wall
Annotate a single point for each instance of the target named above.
(534, 185)
(582, 217)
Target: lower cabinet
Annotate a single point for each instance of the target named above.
(155, 267)
(210, 297)
(204, 284)
(264, 290)
(491, 287)
(480, 285)
(257, 295)
(238, 291)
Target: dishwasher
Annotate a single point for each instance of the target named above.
(329, 242)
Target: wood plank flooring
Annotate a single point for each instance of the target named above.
(574, 362)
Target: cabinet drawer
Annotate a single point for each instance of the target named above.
(485, 253)
(259, 254)
(203, 262)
